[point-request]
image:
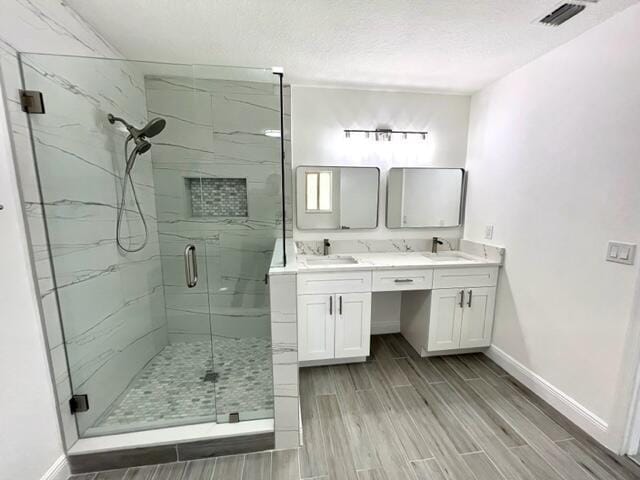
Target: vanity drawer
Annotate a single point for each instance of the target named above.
(334, 282)
(390, 280)
(465, 277)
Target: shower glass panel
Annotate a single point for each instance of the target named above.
(166, 323)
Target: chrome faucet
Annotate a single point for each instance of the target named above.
(434, 244)
(325, 246)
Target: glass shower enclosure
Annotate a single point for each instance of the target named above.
(166, 318)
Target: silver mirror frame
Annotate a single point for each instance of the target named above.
(463, 194)
(295, 199)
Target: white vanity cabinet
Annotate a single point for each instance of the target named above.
(443, 310)
(461, 308)
(460, 318)
(456, 315)
(334, 315)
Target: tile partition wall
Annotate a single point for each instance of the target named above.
(284, 341)
(111, 303)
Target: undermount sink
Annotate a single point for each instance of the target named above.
(447, 257)
(325, 261)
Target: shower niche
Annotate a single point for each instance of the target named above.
(149, 350)
(217, 197)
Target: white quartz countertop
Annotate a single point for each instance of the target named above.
(391, 260)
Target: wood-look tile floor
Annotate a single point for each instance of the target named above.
(399, 416)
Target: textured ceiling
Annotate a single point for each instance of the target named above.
(449, 45)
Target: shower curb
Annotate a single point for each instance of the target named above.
(138, 457)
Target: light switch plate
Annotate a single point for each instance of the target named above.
(488, 232)
(621, 252)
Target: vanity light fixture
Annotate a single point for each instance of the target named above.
(272, 133)
(384, 134)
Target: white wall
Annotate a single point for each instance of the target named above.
(320, 115)
(554, 164)
(29, 438)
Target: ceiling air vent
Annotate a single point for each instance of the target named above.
(562, 14)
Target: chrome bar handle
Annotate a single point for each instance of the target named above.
(191, 265)
(470, 296)
(461, 298)
(340, 306)
(331, 305)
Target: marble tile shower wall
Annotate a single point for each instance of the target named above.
(215, 130)
(112, 304)
(53, 27)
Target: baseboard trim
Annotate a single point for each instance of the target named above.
(59, 470)
(381, 328)
(566, 405)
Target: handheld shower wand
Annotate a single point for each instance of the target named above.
(139, 136)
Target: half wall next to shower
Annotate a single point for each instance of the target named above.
(145, 348)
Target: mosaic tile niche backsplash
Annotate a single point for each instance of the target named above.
(218, 197)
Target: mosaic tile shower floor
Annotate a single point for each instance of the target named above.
(182, 384)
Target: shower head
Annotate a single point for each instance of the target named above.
(142, 146)
(151, 129)
(139, 136)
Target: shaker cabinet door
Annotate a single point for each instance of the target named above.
(477, 319)
(316, 327)
(445, 319)
(353, 325)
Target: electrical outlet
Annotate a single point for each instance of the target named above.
(488, 232)
(620, 252)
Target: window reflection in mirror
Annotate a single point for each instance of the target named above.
(318, 191)
(424, 197)
(337, 198)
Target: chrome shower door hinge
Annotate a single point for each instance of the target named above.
(32, 101)
(79, 403)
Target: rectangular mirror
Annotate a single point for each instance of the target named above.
(337, 198)
(424, 197)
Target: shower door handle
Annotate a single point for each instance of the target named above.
(191, 265)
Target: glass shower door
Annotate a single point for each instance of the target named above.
(146, 343)
(122, 302)
(218, 174)
(243, 172)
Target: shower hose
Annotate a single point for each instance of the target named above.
(126, 179)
